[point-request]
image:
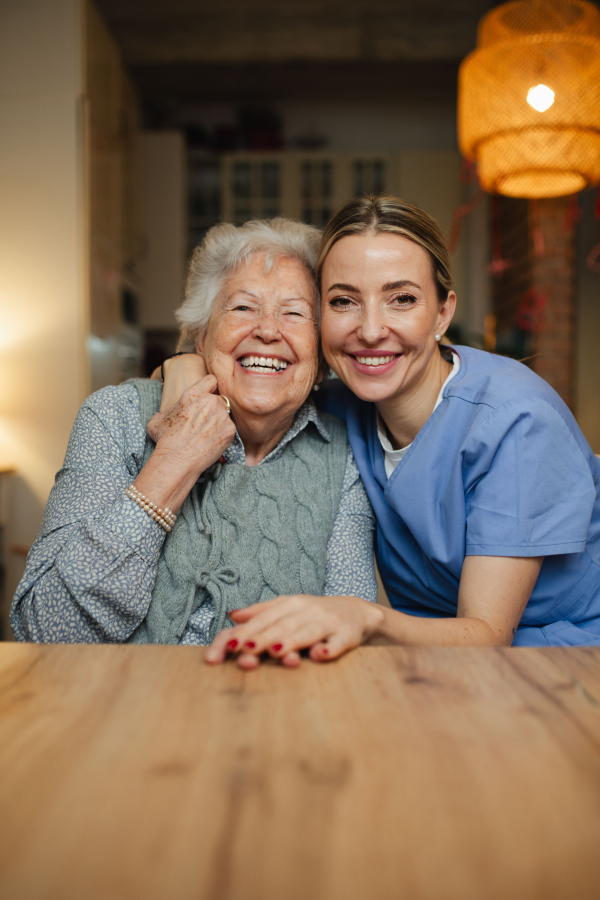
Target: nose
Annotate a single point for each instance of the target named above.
(267, 327)
(373, 327)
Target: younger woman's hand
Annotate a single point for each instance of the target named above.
(180, 372)
(282, 627)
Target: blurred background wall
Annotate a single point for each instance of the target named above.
(129, 127)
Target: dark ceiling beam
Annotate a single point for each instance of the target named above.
(165, 32)
(403, 82)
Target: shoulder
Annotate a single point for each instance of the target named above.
(495, 384)
(112, 397)
(491, 380)
(530, 441)
(113, 410)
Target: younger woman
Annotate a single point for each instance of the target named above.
(485, 490)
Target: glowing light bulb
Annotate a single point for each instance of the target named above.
(540, 97)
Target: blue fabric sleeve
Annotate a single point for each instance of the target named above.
(90, 573)
(350, 552)
(529, 490)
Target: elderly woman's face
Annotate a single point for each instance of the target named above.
(261, 342)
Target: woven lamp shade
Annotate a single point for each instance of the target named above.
(521, 151)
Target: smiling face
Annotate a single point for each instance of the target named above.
(261, 342)
(380, 315)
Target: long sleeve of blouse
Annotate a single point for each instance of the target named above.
(90, 574)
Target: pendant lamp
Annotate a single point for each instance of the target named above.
(529, 98)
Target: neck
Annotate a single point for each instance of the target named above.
(405, 415)
(260, 435)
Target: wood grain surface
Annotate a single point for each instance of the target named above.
(443, 774)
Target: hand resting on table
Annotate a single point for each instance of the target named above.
(493, 593)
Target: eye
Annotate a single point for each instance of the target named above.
(302, 311)
(404, 300)
(340, 302)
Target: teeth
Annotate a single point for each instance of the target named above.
(260, 363)
(375, 360)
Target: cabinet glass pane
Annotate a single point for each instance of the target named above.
(205, 189)
(316, 188)
(368, 177)
(242, 180)
(270, 180)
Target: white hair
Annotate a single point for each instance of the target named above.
(224, 249)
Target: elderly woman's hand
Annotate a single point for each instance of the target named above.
(190, 437)
(197, 426)
(330, 626)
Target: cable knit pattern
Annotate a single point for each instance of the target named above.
(246, 534)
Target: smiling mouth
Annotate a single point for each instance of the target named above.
(262, 364)
(375, 360)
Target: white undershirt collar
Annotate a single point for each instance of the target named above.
(393, 457)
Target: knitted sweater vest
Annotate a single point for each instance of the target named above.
(246, 534)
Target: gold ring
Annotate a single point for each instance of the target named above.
(227, 403)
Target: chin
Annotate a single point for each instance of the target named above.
(374, 393)
(371, 389)
(261, 405)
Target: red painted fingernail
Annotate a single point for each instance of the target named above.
(276, 647)
(231, 645)
(325, 649)
(250, 644)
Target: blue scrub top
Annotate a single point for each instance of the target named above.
(500, 468)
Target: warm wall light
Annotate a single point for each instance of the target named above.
(530, 139)
(541, 97)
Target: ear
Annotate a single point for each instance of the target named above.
(445, 312)
(200, 338)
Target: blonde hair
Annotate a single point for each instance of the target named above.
(373, 215)
(222, 252)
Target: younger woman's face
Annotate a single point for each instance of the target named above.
(381, 314)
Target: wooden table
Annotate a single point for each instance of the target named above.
(442, 774)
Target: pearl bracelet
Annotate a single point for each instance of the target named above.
(161, 515)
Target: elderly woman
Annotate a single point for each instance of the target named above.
(160, 524)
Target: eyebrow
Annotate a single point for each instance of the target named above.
(390, 286)
(342, 287)
(291, 299)
(243, 291)
(394, 285)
